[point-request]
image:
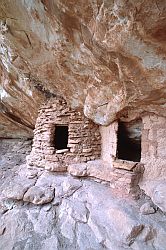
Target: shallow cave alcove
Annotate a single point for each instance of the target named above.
(61, 137)
(129, 140)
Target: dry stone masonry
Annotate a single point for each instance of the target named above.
(153, 146)
(65, 140)
(154, 158)
(83, 142)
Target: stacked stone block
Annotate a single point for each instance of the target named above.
(153, 137)
(126, 176)
(84, 140)
(123, 176)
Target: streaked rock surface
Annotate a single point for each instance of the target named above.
(107, 57)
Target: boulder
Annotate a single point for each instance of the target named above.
(39, 195)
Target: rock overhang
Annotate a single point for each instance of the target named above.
(106, 57)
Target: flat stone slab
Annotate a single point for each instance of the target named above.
(61, 151)
(122, 164)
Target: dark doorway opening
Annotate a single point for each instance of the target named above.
(61, 137)
(129, 140)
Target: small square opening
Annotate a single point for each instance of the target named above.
(61, 137)
(129, 140)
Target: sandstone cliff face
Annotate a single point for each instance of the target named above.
(107, 57)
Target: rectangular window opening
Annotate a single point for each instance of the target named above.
(129, 140)
(61, 137)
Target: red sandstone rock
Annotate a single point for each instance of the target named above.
(108, 57)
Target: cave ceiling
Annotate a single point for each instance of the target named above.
(107, 57)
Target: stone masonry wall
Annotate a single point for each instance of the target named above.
(151, 176)
(84, 140)
(153, 153)
(123, 176)
(154, 159)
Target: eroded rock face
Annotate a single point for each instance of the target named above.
(107, 57)
(80, 214)
(13, 152)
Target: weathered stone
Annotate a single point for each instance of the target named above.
(2, 229)
(89, 45)
(147, 208)
(83, 214)
(108, 59)
(52, 158)
(121, 164)
(32, 173)
(153, 158)
(70, 186)
(87, 150)
(15, 191)
(39, 195)
(159, 196)
(13, 151)
(55, 167)
(78, 169)
(60, 151)
(87, 144)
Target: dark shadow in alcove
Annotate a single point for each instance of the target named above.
(61, 137)
(129, 140)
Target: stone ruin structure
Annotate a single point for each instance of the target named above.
(65, 140)
(124, 154)
(63, 136)
(136, 152)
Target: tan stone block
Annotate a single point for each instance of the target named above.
(48, 152)
(76, 122)
(73, 150)
(55, 167)
(87, 150)
(61, 151)
(74, 141)
(121, 164)
(53, 158)
(79, 169)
